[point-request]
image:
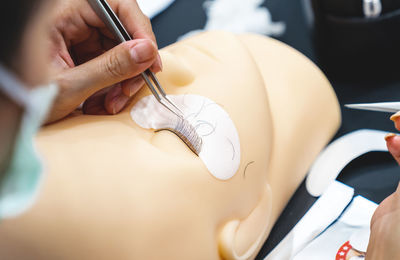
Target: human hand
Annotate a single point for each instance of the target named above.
(89, 65)
(385, 230)
(393, 140)
(385, 223)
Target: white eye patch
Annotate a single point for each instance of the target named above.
(221, 146)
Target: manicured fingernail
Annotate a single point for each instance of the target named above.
(395, 116)
(135, 86)
(389, 136)
(142, 51)
(119, 103)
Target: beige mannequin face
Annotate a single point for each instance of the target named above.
(168, 188)
(117, 191)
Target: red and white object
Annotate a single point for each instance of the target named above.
(347, 238)
(322, 214)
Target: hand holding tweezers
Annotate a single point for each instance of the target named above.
(107, 15)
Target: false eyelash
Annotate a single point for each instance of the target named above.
(194, 115)
(233, 149)
(201, 108)
(202, 122)
(186, 132)
(245, 168)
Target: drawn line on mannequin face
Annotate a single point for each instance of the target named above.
(233, 148)
(245, 168)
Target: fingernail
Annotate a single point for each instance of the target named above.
(142, 51)
(389, 136)
(395, 116)
(119, 103)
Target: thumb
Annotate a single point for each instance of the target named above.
(124, 61)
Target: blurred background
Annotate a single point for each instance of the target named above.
(358, 52)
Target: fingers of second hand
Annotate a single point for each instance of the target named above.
(94, 105)
(115, 100)
(131, 86)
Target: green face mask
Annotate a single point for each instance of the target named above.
(20, 183)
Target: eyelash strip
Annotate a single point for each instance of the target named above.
(187, 133)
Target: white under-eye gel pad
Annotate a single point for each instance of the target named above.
(221, 146)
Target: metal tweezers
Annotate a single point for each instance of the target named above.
(111, 20)
(389, 107)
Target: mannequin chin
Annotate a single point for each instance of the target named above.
(116, 190)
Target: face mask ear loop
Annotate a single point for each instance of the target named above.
(13, 87)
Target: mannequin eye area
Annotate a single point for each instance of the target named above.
(220, 139)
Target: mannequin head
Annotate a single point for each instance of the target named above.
(126, 190)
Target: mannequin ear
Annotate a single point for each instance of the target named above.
(240, 239)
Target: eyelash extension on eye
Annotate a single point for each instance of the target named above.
(187, 133)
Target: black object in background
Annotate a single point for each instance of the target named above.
(352, 47)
